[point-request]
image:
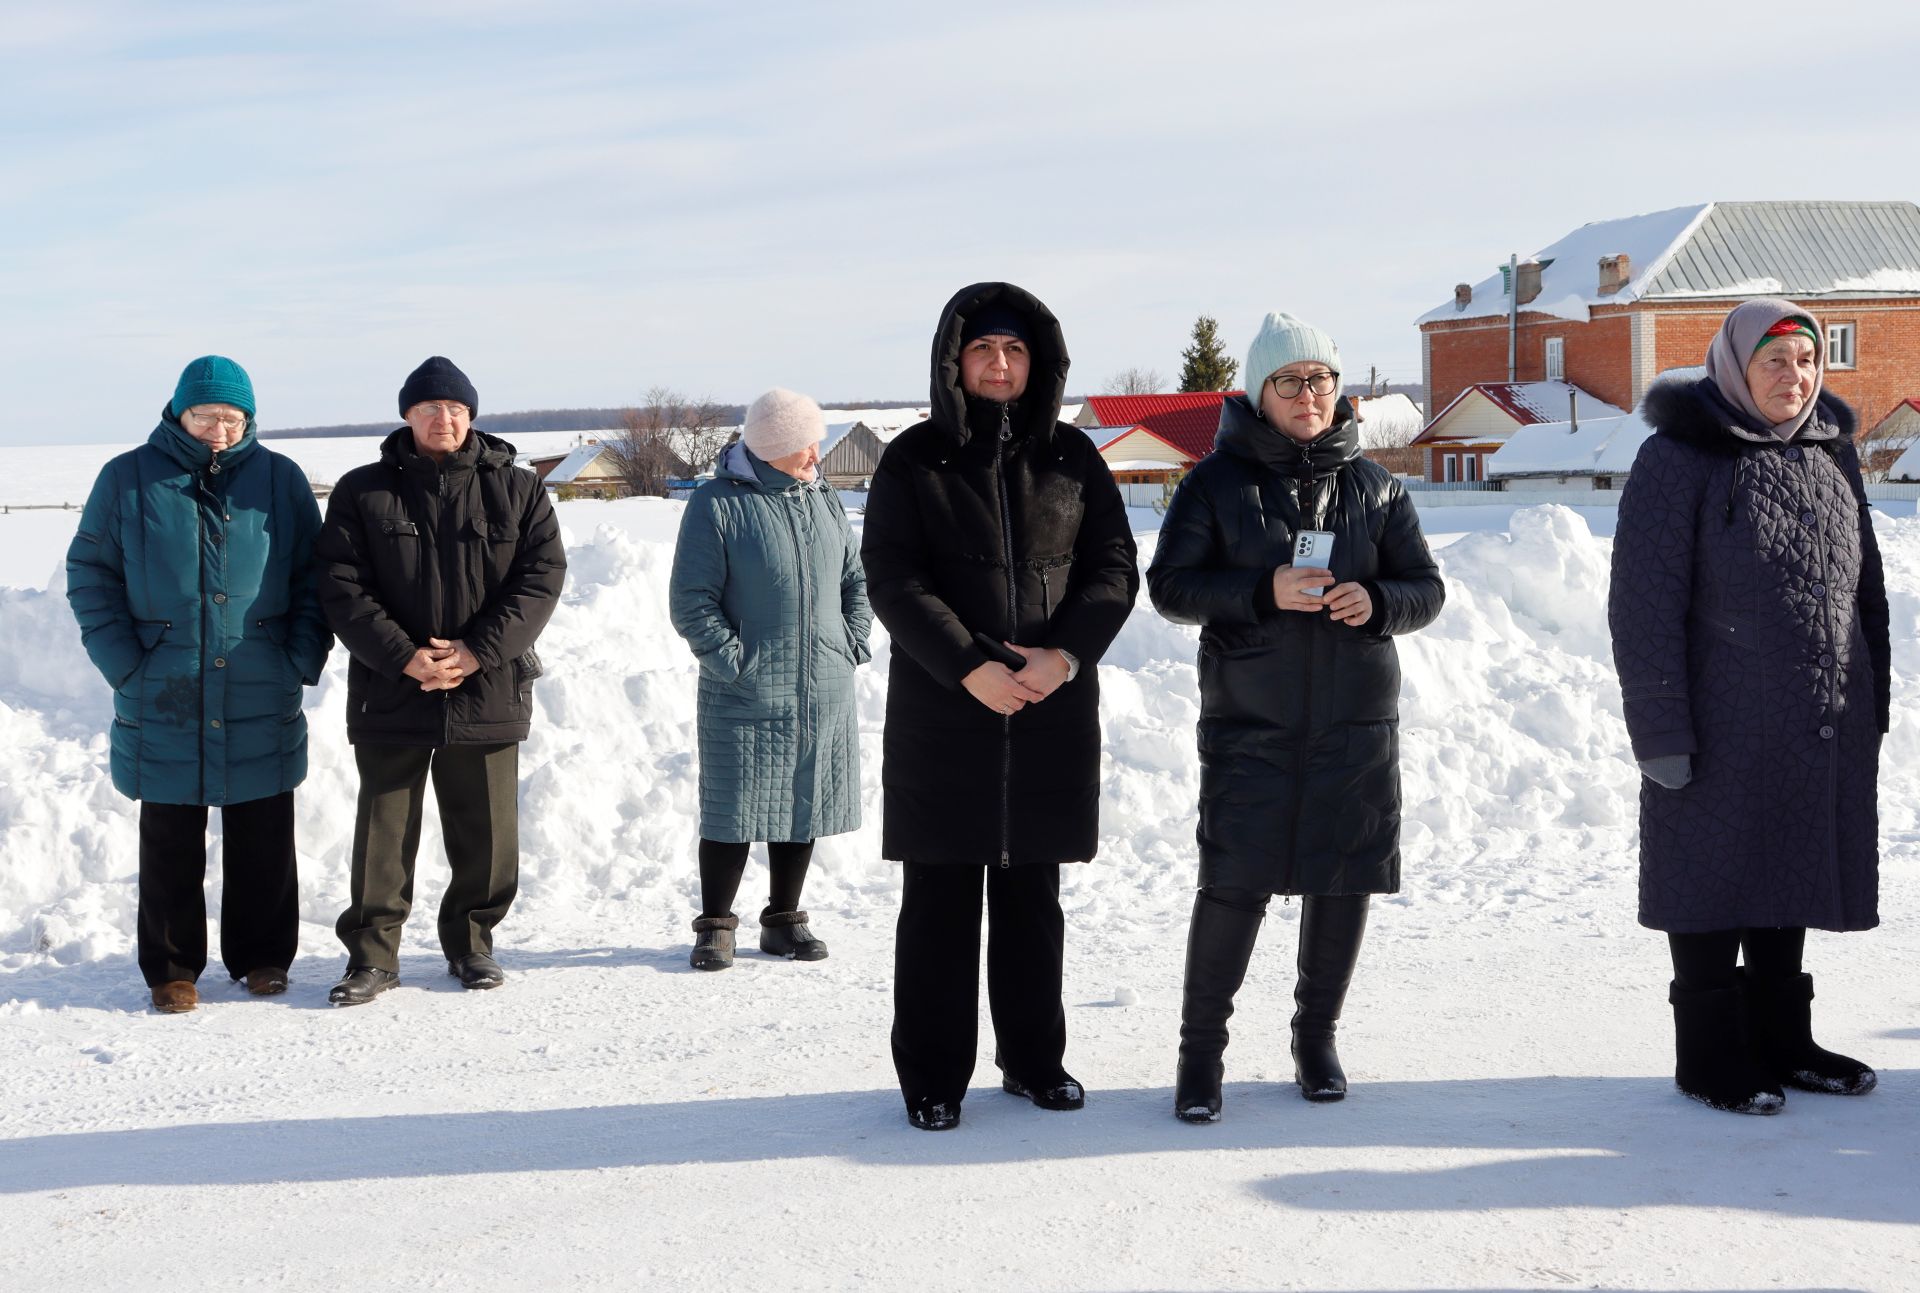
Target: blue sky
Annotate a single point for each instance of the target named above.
(577, 202)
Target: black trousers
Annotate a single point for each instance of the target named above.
(1705, 961)
(477, 788)
(723, 862)
(936, 976)
(260, 898)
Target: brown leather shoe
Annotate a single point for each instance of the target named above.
(267, 981)
(175, 998)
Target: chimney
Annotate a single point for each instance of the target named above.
(1529, 276)
(1614, 273)
(1462, 295)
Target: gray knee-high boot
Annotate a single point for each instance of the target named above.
(1219, 944)
(1330, 932)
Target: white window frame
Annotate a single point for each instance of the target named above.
(1449, 468)
(1842, 345)
(1469, 468)
(1556, 359)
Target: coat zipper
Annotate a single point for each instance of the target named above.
(445, 555)
(1013, 630)
(804, 699)
(1307, 509)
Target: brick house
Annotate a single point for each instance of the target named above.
(1465, 435)
(1615, 303)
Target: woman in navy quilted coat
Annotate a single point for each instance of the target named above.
(768, 590)
(192, 578)
(1749, 620)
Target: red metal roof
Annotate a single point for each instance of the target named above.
(1187, 421)
(1527, 403)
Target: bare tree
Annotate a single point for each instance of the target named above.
(1135, 381)
(1878, 453)
(669, 437)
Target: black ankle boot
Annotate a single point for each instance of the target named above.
(1219, 944)
(713, 942)
(1713, 1062)
(1780, 1028)
(1330, 933)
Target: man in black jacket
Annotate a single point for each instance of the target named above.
(439, 566)
(999, 557)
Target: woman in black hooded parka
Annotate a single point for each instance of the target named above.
(1299, 693)
(999, 557)
(1750, 629)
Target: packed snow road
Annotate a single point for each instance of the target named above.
(610, 1119)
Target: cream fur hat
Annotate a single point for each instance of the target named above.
(782, 422)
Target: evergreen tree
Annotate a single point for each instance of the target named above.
(1204, 365)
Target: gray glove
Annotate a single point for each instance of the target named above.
(1670, 770)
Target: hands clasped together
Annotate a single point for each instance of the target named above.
(1008, 691)
(1347, 603)
(441, 665)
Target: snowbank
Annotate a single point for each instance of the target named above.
(1515, 754)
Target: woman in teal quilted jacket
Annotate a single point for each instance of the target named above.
(769, 592)
(192, 579)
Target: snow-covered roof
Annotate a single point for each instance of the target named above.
(1720, 249)
(1388, 419)
(577, 461)
(1527, 403)
(1600, 446)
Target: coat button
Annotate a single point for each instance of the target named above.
(1819, 590)
(216, 723)
(219, 599)
(1826, 659)
(1826, 733)
(1806, 518)
(219, 662)
(1793, 454)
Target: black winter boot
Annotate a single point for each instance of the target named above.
(1780, 1027)
(1712, 1059)
(713, 941)
(1330, 932)
(1219, 944)
(785, 933)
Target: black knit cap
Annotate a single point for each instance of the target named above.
(996, 321)
(438, 379)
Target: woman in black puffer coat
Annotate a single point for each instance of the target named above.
(1299, 693)
(1750, 628)
(994, 537)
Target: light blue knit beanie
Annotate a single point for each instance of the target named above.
(1284, 340)
(212, 379)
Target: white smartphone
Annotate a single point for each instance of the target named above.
(1313, 548)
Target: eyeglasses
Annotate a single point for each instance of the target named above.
(1289, 386)
(451, 411)
(225, 421)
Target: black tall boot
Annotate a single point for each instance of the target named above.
(1219, 944)
(1330, 932)
(1712, 1059)
(1780, 1028)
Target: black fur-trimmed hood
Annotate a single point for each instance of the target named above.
(1694, 413)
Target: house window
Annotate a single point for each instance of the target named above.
(1839, 345)
(1449, 468)
(1470, 466)
(1556, 359)
(1603, 482)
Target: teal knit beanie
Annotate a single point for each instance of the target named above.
(212, 379)
(1284, 340)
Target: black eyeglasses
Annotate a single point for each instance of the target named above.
(1288, 387)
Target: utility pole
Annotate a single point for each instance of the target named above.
(1513, 314)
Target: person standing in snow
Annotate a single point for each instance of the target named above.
(768, 591)
(1750, 629)
(192, 578)
(999, 557)
(439, 566)
(1299, 693)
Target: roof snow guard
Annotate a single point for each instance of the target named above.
(1804, 250)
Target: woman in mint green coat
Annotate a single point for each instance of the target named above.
(768, 591)
(191, 576)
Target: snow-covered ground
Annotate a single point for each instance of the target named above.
(611, 1119)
